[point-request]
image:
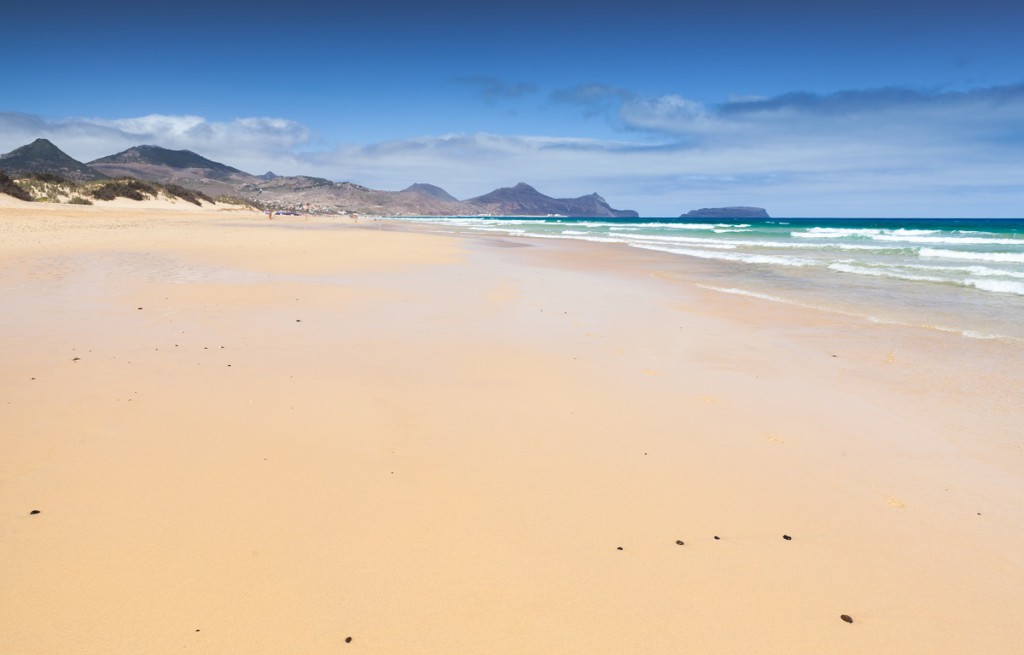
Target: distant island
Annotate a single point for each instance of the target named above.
(727, 212)
(179, 170)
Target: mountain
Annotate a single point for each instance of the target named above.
(523, 199)
(187, 169)
(319, 195)
(41, 156)
(157, 156)
(430, 191)
(727, 212)
(167, 166)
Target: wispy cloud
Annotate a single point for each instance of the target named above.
(891, 116)
(594, 98)
(872, 152)
(493, 89)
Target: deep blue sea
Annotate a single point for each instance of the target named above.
(957, 275)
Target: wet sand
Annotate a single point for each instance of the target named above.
(267, 437)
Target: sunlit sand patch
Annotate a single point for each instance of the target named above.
(504, 293)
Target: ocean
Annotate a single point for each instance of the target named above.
(956, 275)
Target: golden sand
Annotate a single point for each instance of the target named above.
(246, 436)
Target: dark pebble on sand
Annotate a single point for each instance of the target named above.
(846, 617)
(75, 359)
(717, 537)
(619, 548)
(348, 640)
(140, 308)
(298, 320)
(787, 537)
(35, 511)
(679, 542)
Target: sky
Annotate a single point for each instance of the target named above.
(874, 109)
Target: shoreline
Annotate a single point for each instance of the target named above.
(274, 439)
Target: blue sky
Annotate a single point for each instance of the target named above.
(806, 108)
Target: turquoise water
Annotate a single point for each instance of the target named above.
(961, 275)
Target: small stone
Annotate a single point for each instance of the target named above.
(679, 542)
(619, 548)
(298, 320)
(348, 640)
(787, 537)
(140, 308)
(846, 617)
(75, 359)
(35, 511)
(717, 537)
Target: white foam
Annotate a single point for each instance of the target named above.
(633, 226)
(884, 272)
(778, 260)
(978, 270)
(965, 241)
(997, 286)
(596, 239)
(1009, 257)
(744, 292)
(984, 284)
(835, 233)
(502, 230)
(912, 233)
(709, 242)
(691, 226)
(972, 334)
(653, 243)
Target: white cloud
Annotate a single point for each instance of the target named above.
(888, 152)
(670, 114)
(241, 142)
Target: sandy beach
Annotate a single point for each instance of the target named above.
(267, 437)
